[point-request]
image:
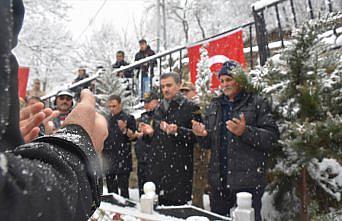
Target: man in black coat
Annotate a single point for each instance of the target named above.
(120, 61)
(143, 146)
(51, 178)
(144, 52)
(117, 152)
(240, 131)
(82, 74)
(172, 143)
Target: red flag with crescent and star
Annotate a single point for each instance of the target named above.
(220, 50)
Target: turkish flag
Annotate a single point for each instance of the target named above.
(220, 50)
(23, 74)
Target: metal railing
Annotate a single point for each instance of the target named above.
(261, 36)
(167, 55)
(262, 29)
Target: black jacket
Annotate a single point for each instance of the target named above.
(80, 78)
(78, 89)
(11, 18)
(144, 54)
(171, 161)
(52, 178)
(143, 148)
(247, 155)
(117, 154)
(127, 73)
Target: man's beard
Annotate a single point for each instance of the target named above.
(64, 107)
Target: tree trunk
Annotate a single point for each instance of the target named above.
(198, 19)
(200, 177)
(304, 198)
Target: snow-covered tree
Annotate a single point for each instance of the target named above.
(203, 79)
(44, 43)
(305, 83)
(109, 84)
(102, 45)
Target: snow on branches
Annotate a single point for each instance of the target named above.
(304, 82)
(203, 79)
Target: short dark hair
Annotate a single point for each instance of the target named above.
(142, 41)
(174, 75)
(115, 98)
(120, 52)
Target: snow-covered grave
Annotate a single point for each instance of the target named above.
(115, 207)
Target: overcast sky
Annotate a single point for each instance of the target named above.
(119, 12)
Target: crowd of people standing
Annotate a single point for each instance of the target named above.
(237, 127)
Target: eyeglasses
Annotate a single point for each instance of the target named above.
(68, 98)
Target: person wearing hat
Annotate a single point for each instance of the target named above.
(189, 91)
(142, 146)
(240, 131)
(64, 103)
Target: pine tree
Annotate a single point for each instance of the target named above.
(305, 83)
(109, 84)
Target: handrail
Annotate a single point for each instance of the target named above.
(258, 8)
(142, 61)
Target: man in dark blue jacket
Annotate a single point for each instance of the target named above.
(240, 131)
(117, 152)
(144, 52)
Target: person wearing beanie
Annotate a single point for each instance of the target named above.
(240, 131)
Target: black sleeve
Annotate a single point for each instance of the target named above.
(154, 63)
(185, 134)
(128, 73)
(52, 178)
(205, 141)
(11, 17)
(137, 57)
(265, 134)
(131, 124)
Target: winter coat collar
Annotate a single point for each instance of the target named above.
(178, 100)
(240, 100)
(148, 48)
